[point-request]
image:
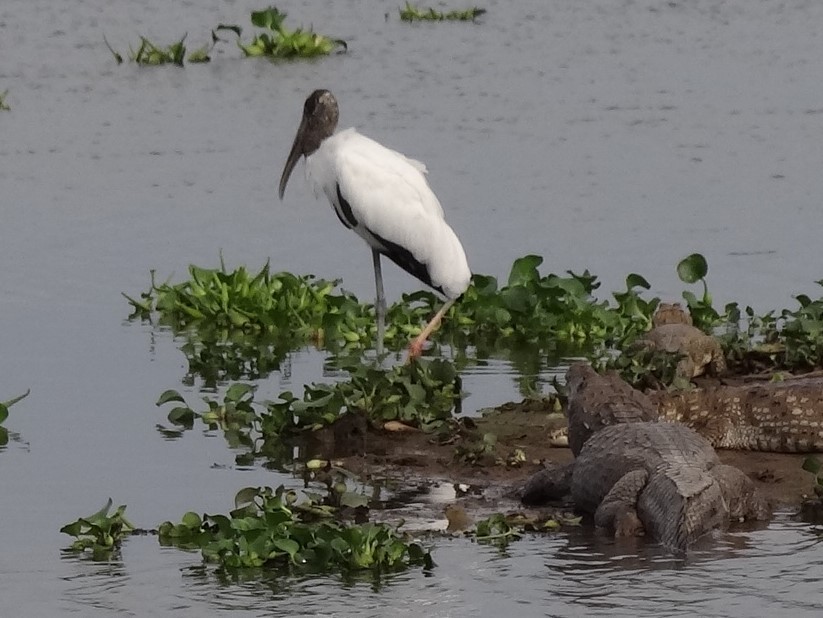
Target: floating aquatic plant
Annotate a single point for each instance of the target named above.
(231, 316)
(277, 41)
(411, 12)
(101, 532)
(421, 394)
(239, 325)
(279, 304)
(151, 54)
(501, 529)
(267, 528)
(270, 528)
(3, 105)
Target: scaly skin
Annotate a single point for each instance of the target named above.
(699, 350)
(783, 417)
(596, 401)
(670, 313)
(668, 476)
(629, 470)
(673, 332)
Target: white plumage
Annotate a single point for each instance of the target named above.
(384, 197)
(391, 200)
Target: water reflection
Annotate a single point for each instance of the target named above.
(573, 573)
(730, 574)
(95, 584)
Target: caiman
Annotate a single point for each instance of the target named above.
(674, 333)
(639, 476)
(779, 417)
(783, 417)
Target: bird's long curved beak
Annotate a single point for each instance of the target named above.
(297, 150)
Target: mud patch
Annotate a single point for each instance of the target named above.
(425, 479)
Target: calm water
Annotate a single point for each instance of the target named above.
(613, 136)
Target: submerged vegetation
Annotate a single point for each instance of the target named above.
(500, 529)
(411, 12)
(275, 41)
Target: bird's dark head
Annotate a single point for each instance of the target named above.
(320, 115)
(320, 109)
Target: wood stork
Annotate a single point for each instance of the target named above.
(383, 196)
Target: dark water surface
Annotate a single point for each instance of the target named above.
(613, 136)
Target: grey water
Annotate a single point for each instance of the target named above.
(614, 136)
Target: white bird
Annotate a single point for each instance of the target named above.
(383, 196)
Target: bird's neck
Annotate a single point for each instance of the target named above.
(314, 139)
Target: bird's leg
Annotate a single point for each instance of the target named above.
(379, 302)
(416, 346)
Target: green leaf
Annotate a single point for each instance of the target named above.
(237, 392)
(183, 416)
(14, 400)
(192, 520)
(524, 270)
(287, 545)
(636, 281)
(101, 514)
(170, 395)
(692, 268)
(246, 496)
(73, 529)
(4, 412)
(517, 299)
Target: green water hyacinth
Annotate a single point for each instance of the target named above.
(423, 394)
(270, 528)
(277, 41)
(281, 304)
(239, 325)
(411, 12)
(101, 533)
(151, 54)
(530, 309)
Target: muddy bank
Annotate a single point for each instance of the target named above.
(417, 462)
